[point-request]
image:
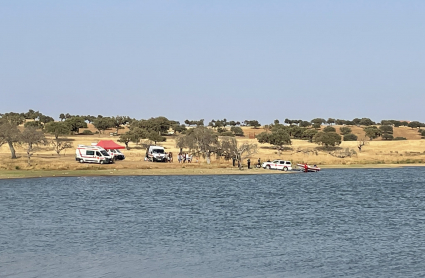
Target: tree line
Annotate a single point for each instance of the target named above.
(156, 129)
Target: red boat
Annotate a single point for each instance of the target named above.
(308, 168)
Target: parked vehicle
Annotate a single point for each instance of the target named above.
(156, 154)
(117, 154)
(92, 154)
(278, 165)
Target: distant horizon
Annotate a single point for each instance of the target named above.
(206, 121)
(236, 60)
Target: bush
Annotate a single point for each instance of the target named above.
(400, 138)
(350, 137)
(237, 130)
(387, 136)
(345, 130)
(87, 132)
(329, 129)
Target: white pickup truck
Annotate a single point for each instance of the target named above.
(278, 165)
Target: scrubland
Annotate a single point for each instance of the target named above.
(376, 153)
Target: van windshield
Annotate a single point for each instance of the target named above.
(104, 153)
(157, 151)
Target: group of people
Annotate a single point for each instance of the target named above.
(185, 157)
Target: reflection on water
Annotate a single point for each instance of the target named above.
(349, 223)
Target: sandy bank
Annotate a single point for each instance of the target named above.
(13, 174)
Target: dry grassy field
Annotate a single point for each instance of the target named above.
(376, 152)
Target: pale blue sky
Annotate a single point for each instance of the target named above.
(214, 59)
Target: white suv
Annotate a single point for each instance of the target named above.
(278, 165)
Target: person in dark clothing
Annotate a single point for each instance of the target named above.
(259, 163)
(249, 163)
(234, 161)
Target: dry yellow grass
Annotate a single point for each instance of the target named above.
(374, 152)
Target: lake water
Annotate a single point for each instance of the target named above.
(335, 223)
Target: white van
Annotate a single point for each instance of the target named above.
(93, 154)
(156, 154)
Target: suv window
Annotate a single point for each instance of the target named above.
(89, 152)
(288, 162)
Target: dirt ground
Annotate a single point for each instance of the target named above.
(376, 152)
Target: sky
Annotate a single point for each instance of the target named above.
(238, 60)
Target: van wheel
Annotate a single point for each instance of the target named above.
(81, 160)
(285, 169)
(268, 167)
(101, 162)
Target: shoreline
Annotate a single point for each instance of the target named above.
(23, 174)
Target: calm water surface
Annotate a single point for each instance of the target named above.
(336, 223)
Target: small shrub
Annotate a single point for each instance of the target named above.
(400, 138)
(87, 132)
(350, 137)
(227, 133)
(17, 168)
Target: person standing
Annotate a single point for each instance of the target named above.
(249, 163)
(234, 161)
(179, 157)
(259, 163)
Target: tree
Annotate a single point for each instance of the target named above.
(119, 121)
(230, 148)
(387, 132)
(387, 136)
(278, 138)
(366, 122)
(329, 129)
(155, 137)
(330, 121)
(253, 123)
(350, 137)
(57, 129)
(126, 138)
(45, 119)
(62, 116)
(34, 124)
(372, 132)
(309, 134)
(200, 140)
(9, 134)
(237, 131)
(356, 121)
(31, 137)
(89, 118)
(345, 130)
(103, 124)
(304, 124)
(327, 138)
(75, 123)
(177, 127)
(414, 124)
(317, 122)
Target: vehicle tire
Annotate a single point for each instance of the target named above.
(101, 162)
(285, 169)
(81, 160)
(268, 167)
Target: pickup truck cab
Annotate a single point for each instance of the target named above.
(278, 165)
